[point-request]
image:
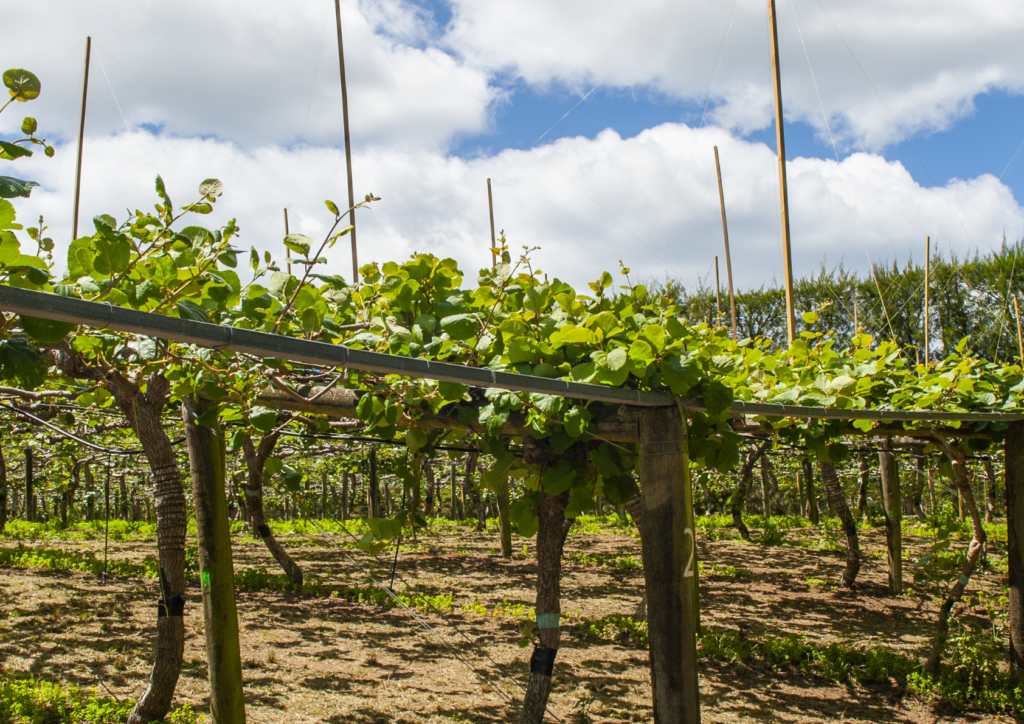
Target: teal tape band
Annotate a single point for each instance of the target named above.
(547, 620)
(964, 580)
(252, 493)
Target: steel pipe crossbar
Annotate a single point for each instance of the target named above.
(104, 315)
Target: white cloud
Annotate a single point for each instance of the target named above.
(927, 59)
(650, 201)
(255, 72)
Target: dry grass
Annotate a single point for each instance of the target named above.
(330, 660)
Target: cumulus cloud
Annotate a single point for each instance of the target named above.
(651, 201)
(255, 72)
(927, 60)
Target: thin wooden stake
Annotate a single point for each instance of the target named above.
(1020, 335)
(725, 233)
(780, 142)
(490, 206)
(856, 318)
(287, 251)
(927, 285)
(81, 138)
(718, 296)
(348, 145)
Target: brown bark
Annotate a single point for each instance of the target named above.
(990, 489)
(428, 473)
(865, 476)
(255, 459)
(978, 540)
(550, 541)
(143, 412)
(634, 507)
(837, 501)
(740, 492)
(468, 488)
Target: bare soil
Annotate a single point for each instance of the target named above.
(327, 659)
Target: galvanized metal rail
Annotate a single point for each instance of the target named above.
(261, 344)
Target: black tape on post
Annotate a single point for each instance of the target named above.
(176, 607)
(543, 661)
(264, 531)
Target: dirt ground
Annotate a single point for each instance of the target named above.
(325, 659)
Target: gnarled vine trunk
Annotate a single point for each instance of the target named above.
(837, 501)
(255, 459)
(962, 481)
(143, 411)
(550, 542)
(740, 492)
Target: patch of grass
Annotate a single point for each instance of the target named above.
(56, 559)
(30, 700)
(604, 560)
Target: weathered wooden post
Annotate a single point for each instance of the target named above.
(372, 494)
(893, 505)
(206, 458)
(1014, 448)
(670, 565)
(812, 495)
(30, 498)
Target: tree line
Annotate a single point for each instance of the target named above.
(970, 296)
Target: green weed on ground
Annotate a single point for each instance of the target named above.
(32, 701)
(971, 678)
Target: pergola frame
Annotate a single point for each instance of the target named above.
(655, 421)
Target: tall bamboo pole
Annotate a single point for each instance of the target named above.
(490, 207)
(718, 296)
(1020, 336)
(348, 145)
(927, 285)
(725, 233)
(287, 251)
(81, 138)
(780, 142)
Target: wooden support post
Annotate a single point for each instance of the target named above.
(670, 565)
(812, 495)
(780, 147)
(372, 493)
(766, 509)
(344, 495)
(30, 498)
(725, 233)
(453, 512)
(893, 505)
(348, 145)
(1014, 449)
(206, 458)
(490, 208)
(81, 138)
(504, 522)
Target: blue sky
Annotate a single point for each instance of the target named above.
(446, 94)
